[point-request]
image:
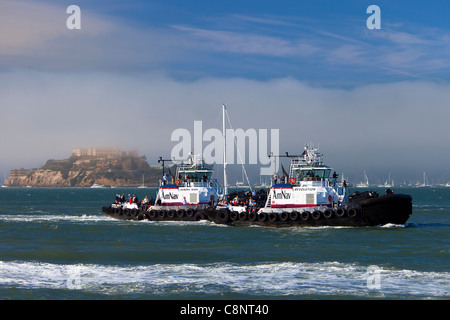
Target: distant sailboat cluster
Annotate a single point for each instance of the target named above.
(425, 181)
(389, 183)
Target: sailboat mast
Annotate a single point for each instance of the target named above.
(225, 180)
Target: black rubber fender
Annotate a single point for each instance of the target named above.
(180, 213)
(222, 216)
(171, 213)
(340, 212)
(262, 216)
(293, 215)
(305, 215)
(162, 213)
(353, 212)
(243, 215)
(329, 213)
(273, 217)
(316, 214)
(199, 216)
(284, 216)
(190, 213)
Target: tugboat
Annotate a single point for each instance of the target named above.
(312, 196)
(185, 199)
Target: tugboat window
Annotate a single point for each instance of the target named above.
(313, 174)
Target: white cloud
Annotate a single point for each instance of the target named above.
(35, 36)
(403, 38)
(247, 43)
(26, 26)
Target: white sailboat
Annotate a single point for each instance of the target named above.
(239, 184)
(389, 183)
(364, 183)
(4, 179)
(425, 181)
(142, 186)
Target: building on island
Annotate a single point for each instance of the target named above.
(107, 152)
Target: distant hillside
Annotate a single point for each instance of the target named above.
(83, 169)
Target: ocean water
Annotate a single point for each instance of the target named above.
(57, 244)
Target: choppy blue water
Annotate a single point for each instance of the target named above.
(57, 244)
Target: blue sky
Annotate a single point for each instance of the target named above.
(304, 67)
(325, 42)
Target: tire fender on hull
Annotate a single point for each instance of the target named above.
(340, 212)
(316, 214)
(329, 213)
(293, 216)
(222, 216)
(353, 212)
(305, 215)
(262, 216)
(273, 217)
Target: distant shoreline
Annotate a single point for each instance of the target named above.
(88, 167)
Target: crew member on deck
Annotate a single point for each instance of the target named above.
(275, 178)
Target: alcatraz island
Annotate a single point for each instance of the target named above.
(108, 166)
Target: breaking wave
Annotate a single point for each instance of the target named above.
(262, 280)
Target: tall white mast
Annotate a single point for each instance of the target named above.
(225, 180)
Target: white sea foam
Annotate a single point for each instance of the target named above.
(39, 218)
(263, 279)
(393, 225)
(179, 223)
(53, 218)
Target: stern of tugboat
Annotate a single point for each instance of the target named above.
(385, 209)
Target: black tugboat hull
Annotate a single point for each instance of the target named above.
(386, 209)
(164, 214)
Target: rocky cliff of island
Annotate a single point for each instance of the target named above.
(89, 166)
